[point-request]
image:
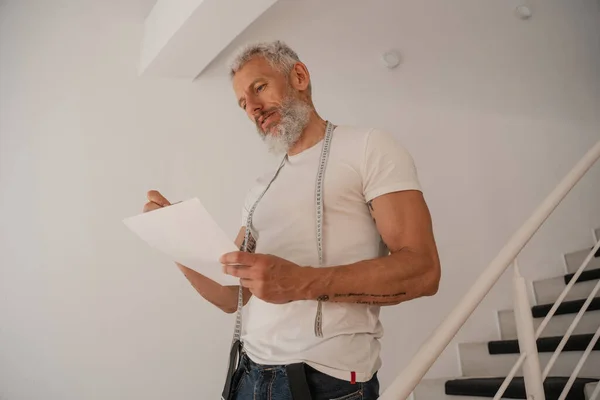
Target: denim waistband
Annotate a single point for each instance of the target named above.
(250, 365)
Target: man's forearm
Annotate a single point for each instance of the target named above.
(224, 297)
(388, 280)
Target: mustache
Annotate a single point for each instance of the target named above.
(264, 114)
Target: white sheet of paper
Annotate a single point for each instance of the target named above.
(188, 234)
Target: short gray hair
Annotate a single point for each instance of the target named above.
(277, 53)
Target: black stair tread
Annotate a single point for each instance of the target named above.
(567, 307)
(544, 345)
(488, 387)
(589, 275)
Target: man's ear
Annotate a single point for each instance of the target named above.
(300, 77)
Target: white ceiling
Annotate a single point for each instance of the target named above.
(145, 6)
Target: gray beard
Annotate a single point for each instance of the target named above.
(294, 117)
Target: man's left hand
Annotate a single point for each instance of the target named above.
(268, 277)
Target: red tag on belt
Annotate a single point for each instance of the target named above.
(353, 377)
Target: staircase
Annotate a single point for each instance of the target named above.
(490, 368)
(485, 365)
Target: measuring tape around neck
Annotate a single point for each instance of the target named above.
(319, 230)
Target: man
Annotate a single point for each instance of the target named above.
(309, 301)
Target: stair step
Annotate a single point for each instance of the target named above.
(477, 362)
(587, 275)
(567, 307)
(544, 344)
(488, 387)
(558, 325)
(575, 259)
(435, 389)
(548, 290)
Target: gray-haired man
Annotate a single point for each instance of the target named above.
(340, 229)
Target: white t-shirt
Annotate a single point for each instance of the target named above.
(363, 164)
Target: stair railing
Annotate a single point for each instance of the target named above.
(572, 327)
(582, 361)
(431, 349)
(582, 311)
(534, 383)
(545, 322)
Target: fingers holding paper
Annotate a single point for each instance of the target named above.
(155, 201)
(270, 278)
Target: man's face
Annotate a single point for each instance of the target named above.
(261, 90)
(273, 102)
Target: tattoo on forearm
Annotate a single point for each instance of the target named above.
(387, 298)
(378, 303)
(369, 295)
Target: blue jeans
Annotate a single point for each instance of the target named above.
(252, 381)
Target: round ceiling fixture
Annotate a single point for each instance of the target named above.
(391, 58)
(523, 12)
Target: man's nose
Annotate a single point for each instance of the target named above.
(254, 108)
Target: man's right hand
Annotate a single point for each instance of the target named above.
(155, 201)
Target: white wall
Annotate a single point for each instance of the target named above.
(495, 111)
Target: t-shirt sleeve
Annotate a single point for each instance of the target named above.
(387, 166)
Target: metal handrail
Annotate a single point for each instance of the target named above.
(431, 349)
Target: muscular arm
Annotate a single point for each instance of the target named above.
(411, 270)
(224, 297)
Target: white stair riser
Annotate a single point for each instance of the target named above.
(575, 259)
(557, 327)
(434, 389)
(476, 361)
(589, 389)
(548, 290)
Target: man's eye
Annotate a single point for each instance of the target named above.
(261, 87)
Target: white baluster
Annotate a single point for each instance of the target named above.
(532, 372)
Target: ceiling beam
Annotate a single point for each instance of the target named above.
(181, 37)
